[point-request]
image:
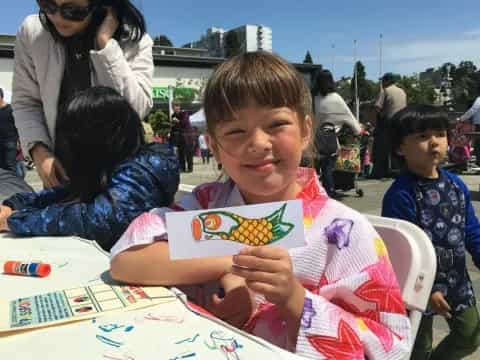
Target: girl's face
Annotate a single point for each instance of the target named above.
(65, 27)
(424, 151)
(261, 151)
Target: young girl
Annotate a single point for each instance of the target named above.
(114, 176)
(337, 297)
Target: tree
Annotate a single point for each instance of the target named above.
(162, 40)
(308, 58)
(418, 90)
(366, 88)
(160, 123)
(232, 44)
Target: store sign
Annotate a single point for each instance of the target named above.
(161, 93)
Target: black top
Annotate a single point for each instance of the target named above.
(8, 131)
(76, 75)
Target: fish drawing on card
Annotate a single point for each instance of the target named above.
(225, 225)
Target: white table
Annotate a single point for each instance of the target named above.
(166, 331)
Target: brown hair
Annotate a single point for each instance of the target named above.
(254, 78)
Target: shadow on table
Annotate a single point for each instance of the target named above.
(107, 278)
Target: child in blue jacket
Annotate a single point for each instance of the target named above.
(438, 202)
(113, 175)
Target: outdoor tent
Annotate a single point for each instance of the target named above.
(198, 118)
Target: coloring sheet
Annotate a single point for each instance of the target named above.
(170, 331)
(220, 232)
(76, 304)
(74, 262)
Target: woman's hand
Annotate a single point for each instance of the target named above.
(48, 166)
(107, 28)
(5, 212)
(238, 303)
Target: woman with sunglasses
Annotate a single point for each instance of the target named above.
(69, 46)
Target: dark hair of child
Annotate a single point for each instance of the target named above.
(96, 130)
(415, 119)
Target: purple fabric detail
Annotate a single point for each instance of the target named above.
(308, 314)
(338, 232)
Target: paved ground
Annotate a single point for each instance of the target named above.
(369, 204)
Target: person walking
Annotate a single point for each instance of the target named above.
(390, 100)
(331, 109)
(69, 47)
(182, 137)
(8, 136)
(204, 150)
(473, 114)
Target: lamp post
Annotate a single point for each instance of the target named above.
(355, 75)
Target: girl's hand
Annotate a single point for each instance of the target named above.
(268, 271)
(107, 28)
(5, 212)
(48, 167)
(238, 303)
(440, 305)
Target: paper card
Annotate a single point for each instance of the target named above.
(76, 304)
(224, 231)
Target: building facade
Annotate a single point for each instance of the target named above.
(179, 71)
(251, 38)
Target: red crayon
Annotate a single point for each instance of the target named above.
(26, 269)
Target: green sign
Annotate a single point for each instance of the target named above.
(179, 93)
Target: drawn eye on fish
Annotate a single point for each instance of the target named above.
(224, 225)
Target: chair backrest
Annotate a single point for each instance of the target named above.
(414, 262)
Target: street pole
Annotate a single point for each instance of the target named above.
(380, 60)
(333, 60)
(355, 75)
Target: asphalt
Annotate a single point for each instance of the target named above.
(370, 203)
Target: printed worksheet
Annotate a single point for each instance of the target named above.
(76, 304)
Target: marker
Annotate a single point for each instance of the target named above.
(26, 269)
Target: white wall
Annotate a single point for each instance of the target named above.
(189, 77)
(6, 73)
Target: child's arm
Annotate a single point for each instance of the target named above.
(108, 215)
(399, 204)
(472, 228)
(37, 200)
(151, 265)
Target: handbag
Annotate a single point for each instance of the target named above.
(326, 141)
(348, 159)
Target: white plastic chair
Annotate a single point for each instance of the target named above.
(414, 262)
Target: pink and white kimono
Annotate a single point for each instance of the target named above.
(353, 307)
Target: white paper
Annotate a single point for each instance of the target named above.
(212, 223)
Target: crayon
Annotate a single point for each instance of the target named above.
(27, 269)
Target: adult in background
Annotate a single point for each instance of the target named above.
(330, 108)
(182, 137)
(8, 136)
(473, 114)
(390, 100)
(69, 46)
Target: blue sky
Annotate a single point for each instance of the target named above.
(417, 34)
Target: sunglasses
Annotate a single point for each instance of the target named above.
(68, 12)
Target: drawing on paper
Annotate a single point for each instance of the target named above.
(225, 225)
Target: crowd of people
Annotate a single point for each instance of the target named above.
(79, 114)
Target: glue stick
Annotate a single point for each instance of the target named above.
(27, 269)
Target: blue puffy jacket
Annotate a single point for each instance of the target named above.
(147, 180)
